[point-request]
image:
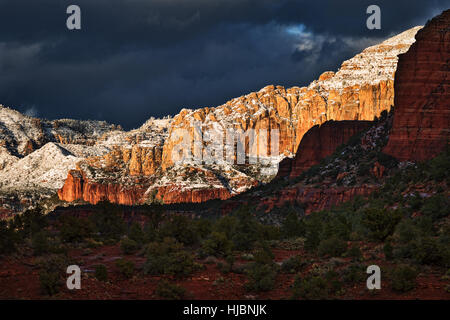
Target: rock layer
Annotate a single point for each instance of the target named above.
(78, 187)
(421, 126)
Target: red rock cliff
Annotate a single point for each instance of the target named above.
(318, 143)
(78, 187)
(422, 95)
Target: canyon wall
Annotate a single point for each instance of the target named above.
(421, 126)
(318, 143)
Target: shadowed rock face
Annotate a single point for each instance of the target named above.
(421, 126)
(318, 143)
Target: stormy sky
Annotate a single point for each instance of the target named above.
(133, 59)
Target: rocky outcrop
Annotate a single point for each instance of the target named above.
(21, 134)
(421, 126)
(314, 199)
(78, 187)
(318, 143)
(175, 194)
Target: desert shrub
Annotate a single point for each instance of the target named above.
(51, 273)
(406, 231)
(436, 207)
(431, 251)
(354, 273)
(170, 291)
(217, 244)
(246, 231)
(128, 246)
(227, 225)
(168, 257)
(354, 253)
(126, 267)
(29, 223)
(415, 202)
(74, 229)
(262, 272)
(8, 238)
(107, 221)
(313, 229)
(203, 227)
(403, 278)
(388, 250)
(101, 273)
(310, 288)
(136, 233)
(261, 277)
(181, 228)
(50, 282)
(439, 167)
(293, 227)
(380, 223)
(293, 264)
(39, 243)
(333, 247)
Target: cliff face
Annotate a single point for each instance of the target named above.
(315, 199)
(78, 187)
(318, 143)
(422, 95)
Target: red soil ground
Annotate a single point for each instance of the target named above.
(19, 279)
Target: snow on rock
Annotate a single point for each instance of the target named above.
(45, 168)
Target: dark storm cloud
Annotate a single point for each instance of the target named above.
(138, 58)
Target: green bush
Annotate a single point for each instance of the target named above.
(246, 232)
(101, 273)
(167, 290)
(310, 288)
(74, 229)
(388, 251)
(107, 221)
(292, 227)
(380, 223)
(51, 273)
(168, 257)
(126, 267)
(403, 278)
(354, 273)
(39, 243)
(262, 272)
(8, 238)
(293, 264)
(181, 228)
(217, 244)
(136, 233)
(333, 247)
(261, 277)
(128, 246)
(50, 282)
(354, 253)
(436, 207)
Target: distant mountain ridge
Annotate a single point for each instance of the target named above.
(136, 166)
